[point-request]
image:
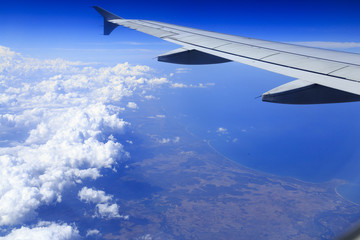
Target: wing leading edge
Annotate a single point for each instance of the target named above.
(323, 76)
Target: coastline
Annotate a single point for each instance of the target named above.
(336, 182)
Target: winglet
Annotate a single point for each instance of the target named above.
(108, 26)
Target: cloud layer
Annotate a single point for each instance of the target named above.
(56, 124)
(44, 231)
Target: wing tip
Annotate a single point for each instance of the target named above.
(108, 26)
(106, 14)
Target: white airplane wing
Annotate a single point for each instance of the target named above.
(322, 76)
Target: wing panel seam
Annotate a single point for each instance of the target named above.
(232, 41)
(277, 64)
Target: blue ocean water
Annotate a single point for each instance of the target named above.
(314, 143)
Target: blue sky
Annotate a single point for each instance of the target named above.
(72, 29)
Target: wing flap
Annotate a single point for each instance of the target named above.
(350, 72)
(305, 63)
(190, 56)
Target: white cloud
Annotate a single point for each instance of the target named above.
(182, 70)
(200, 85)
(63, 114)
(335, 45)
(93, 232)
(164, 140)
(158, 81)
(129, 142)
(222, 130)
(148, 97)
(132, 105)
(44, 231)
(179, 85)
(145, 237)
(168, 140)
(90, 195)
(104, 208)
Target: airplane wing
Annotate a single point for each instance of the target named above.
(322, 76)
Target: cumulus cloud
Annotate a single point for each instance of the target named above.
(90, 195)
(44, 231)
(104, 208)
(57, 118)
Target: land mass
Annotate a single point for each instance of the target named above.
(186, 190)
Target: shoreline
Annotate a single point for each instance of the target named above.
(336, 182)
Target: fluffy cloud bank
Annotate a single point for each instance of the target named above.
(56, 124)
(44, 231)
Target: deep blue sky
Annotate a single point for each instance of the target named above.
(72, 29)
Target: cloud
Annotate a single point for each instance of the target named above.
(104, 208)
(145, 237)
(57, 118)
(182, 70)
(157, 116)
(222, 130)
(335, 45)
(168, 140)
(149, 97)
(164, 140)
(90, 195)
(63, 148)
(44, 231)
(132, 105)
(200, 85)
(93, 232)
(158, 81)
